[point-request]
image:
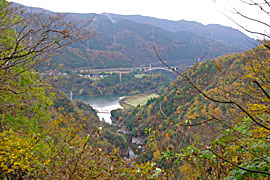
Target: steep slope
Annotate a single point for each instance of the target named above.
(220, 113)
(127, 41)
(181, 103)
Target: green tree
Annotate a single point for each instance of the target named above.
(241, 149)
(38, 141)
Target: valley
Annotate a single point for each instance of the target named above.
(95, 101)
(103, 105)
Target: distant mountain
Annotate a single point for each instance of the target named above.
(212, 31)
(127, 41)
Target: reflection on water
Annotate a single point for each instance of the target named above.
(103, 104)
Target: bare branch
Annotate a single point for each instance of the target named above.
(245, 169)
(251, 19)
(258, 84)
(247, 30)
(208, 97)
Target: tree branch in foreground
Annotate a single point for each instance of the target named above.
(250, 170)
(207, 96)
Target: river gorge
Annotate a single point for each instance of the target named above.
(103, 104)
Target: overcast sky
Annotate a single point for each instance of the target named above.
(203, 11)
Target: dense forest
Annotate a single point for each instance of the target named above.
(210, 123)
(43, 134)
(127, 41)
(131, 84)
(213, 121)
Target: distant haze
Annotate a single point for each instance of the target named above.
(203, 11)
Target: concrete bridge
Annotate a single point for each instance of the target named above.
(161, 68)
(125, 70)
(147, 69)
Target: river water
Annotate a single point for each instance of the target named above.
(103, 104)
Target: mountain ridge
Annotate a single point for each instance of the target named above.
(128, 40)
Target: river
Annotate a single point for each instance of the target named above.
(103, 104)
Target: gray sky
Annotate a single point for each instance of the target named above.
(203, 11)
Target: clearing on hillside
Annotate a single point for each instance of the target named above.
(139, 99)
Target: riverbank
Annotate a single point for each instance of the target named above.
(102, 104)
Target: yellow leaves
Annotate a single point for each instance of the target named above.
(204, 109)
(218, 65)
(196, 102)
(16, 151)
(216, 111)
(233, 148)
(60, 109)
(211, 108)
(189, 172)
(193, 115)
(199, 65)
(179, 91)
(154, 147)
(144, 171)
(120, 118)
(178, 109)
(261, 46)
(256, 107)
(149, 109)
(259, 132)
(157, 155)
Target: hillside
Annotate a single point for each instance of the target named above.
(212, 31)
(130, 84)
(213, 122)
(181, 101)
(127, 41)
(179, 127)
(43, 134)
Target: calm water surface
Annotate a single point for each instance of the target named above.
(103, 104)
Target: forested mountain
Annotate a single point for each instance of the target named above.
(127, 41)
(221, 105)
(213, 122)
(43, 134)
(212, 31)
(181, 101)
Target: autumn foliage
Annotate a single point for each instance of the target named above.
(43, 135)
